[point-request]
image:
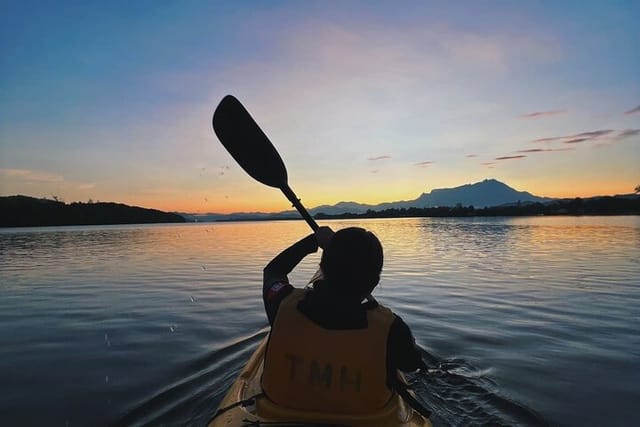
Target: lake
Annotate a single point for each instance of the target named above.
(524, 321)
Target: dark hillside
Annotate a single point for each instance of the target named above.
(23, 211)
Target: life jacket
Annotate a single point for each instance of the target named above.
(308, 367)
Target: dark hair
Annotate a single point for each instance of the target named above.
(352, 262)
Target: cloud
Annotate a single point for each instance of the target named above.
(379, 158)
(510, 157)
(544, 150)
(633, 110)
(549, 139)
(627, 133)
(487, 163)
(599, 134)
(31, 175)
(533, 150)
(423, 164)
(471, 156)
(43, 180)
(577, 138)
(594, 134)
(539, 114)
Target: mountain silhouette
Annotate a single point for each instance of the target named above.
(487, 193)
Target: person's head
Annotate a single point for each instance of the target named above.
(352, 263)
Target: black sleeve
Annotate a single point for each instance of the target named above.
(278, 292)
(402, 351)
(275, 284)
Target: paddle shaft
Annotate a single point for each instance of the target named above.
(288, 192)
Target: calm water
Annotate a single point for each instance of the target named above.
(525, 321)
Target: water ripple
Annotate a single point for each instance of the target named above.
(524, 321)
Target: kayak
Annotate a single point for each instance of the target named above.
(246, 405)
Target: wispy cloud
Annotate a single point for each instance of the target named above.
(519, 156)
(622, 135)
(539, 114)
(423, 164)
(602, 137)
(31, 175)
(628, 133)
(471, 156)
(633, 110)
(379, 157)
(594, 134)
(577, 138)
(487, 163)
(544, 150)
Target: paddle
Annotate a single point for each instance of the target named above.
(251, 148)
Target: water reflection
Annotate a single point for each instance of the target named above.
(150, 323)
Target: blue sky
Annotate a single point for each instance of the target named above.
(366, 101)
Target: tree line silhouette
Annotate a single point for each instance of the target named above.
(606, 205)
(23, 211)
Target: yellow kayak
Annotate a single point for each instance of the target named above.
(246, 405)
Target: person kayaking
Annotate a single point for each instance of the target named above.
(329, 351)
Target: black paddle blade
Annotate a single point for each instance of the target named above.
(247, 144)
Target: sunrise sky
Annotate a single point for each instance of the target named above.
(365, 101)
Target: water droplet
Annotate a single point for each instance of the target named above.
(106, 379)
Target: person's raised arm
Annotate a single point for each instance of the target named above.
(275, 273)
(279, 267)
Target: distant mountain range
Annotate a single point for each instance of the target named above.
(487, 193)
(487, 198)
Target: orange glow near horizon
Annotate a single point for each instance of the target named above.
(580, 188)
(278, 203)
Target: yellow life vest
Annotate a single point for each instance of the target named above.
(311, 368)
